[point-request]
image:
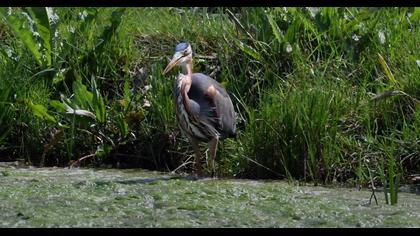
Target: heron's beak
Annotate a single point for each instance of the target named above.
(176, 59)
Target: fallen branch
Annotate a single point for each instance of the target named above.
(390, 93)
(81, 159)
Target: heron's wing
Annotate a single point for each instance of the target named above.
(225, 112)
(213, 104)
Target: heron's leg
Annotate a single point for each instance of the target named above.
(197, 160)
(212, 150)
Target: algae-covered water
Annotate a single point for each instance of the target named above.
(56, 197)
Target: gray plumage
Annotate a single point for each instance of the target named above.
(215, 111)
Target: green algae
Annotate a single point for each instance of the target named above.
(54, 197)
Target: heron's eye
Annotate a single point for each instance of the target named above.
(185, 52)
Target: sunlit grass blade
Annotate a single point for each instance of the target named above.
(275, 28)
(386, 70)
(98, 103)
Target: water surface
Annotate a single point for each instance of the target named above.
(56, 197)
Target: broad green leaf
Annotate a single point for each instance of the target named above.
(40, 16)
(98, 103)
(41, 111)
(248, 50)
(20, 26)
(82, 96)
(59, 106)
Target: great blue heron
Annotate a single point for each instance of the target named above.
(203, 107)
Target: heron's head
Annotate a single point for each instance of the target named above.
(183, 54)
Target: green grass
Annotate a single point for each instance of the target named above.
(321, 94)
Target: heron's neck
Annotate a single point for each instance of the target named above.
(186, 84)
(187, 80)
(187, 69)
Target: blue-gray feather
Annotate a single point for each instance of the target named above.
(181, 46)
(216, 111)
